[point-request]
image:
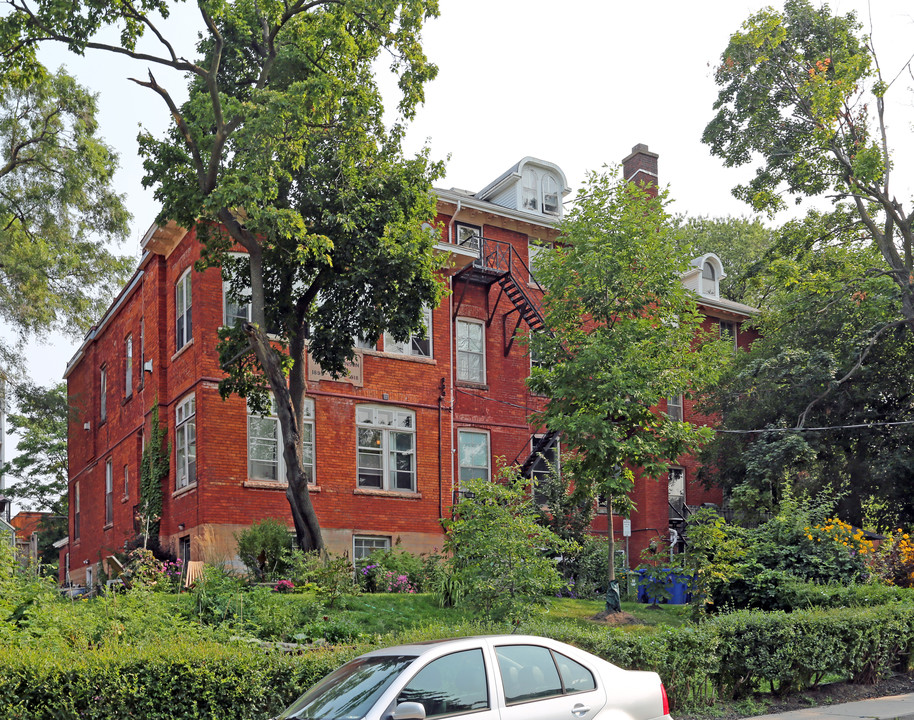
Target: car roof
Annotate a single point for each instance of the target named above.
(434, 646)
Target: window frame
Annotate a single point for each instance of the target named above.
(474, 241)
(530, 190)
(385, 545)
(386, 449)
(460, 466)
(308, 440)
(225, 307)
(103, 393)
(408, 347)
(76, 511)
(554, 191)
(731, 330)
(564, 691)
(675, 409)
(126, 481)
(128, 366)
(109, 492)
(556, 451)
(186, 442)
(465, 321)
(682, 480)
(183, 320)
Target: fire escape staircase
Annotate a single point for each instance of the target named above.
(498, 263)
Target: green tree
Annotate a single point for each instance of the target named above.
(802, 91)
(281, 148)
(58, 209)
(742, 245)
(40, 466)
(626, 335)
(499, 553)
(829, 357)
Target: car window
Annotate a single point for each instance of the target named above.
(450, 685)
(575, 677)
(350, 691)
(527, 673)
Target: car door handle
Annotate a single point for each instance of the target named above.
(580, 710)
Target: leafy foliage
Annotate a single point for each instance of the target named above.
(40, 465)
(802, 96)
(282, 149)
(58, 208)
(264, 549)
(154, 465)
(825, 359)
(499, 553)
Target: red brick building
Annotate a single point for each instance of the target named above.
(387, 445)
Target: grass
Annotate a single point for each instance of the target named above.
(581, 611)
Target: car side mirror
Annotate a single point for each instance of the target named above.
(409, 711)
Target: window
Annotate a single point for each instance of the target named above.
(531, 672)
(674, 407)
(128, 366)
(265, 461)
(103, 394)
(235, 310)
(534, 248)
(473, 455)
(550, 195)
(126, 482)
(469, 236)
(708, 279)
(184, 551)
(186, 443)
(416, 345)
(89, 583)
(471, 364)
(450, 685)
(677, 492)
(183, 326)
(528, 673)
(362, 547)
(728, 330)
(362, 344)
(546, 461)
(386, 447)
(529, 190)
(76, 510)
(109, 493)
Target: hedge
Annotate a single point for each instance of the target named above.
(726, 656)
(172, 681)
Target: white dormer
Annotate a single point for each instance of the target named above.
(705, 275)
(533, 186)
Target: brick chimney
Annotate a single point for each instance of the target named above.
(641, 168)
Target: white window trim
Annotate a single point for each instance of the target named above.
(126, 481)
(184, 421)
(408, 348)
(103, 393)
(469, 244)
(76, 515)
(128, 366)
(558, 195)
(722, 332)
(280, 460)
(385, 541)
(670, 405)
(387, 482)
(672, 469)
(184, 322)
(482, 325)
(476, 431)
(109, 492)
(225, 304)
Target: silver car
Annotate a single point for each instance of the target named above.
(503, 677)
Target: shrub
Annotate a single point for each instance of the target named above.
(499, 553)
(264, 549)
(328, 575)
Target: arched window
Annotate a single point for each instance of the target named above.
(709, 278)
(550, 195)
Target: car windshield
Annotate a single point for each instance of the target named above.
(349, 692)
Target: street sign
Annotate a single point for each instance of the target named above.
(626, 527)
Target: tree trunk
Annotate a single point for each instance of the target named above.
(289, 411)
(613, 598)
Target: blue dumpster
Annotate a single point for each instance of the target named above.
(676, 584)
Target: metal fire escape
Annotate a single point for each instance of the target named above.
(499, 263)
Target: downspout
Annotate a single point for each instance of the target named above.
(451, 340)
(450, 225)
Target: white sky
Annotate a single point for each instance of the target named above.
(576, 83)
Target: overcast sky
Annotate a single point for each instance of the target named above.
(576, 83)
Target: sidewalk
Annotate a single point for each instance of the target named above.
(895, 707)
